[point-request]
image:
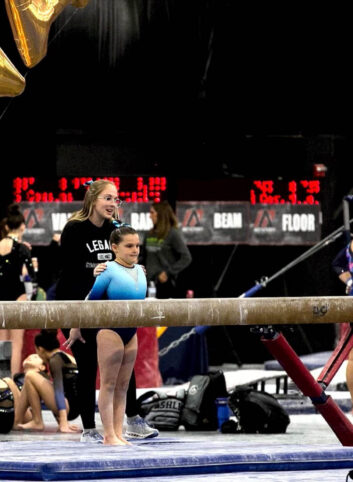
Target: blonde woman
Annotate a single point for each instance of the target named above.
(85, 245)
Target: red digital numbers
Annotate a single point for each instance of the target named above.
(139, 189)
(154, 189)
(285, 192)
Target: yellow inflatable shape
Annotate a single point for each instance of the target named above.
(11, 81)
(30, 22)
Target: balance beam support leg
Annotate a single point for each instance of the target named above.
(291, 363)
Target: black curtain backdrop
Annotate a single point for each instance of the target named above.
(187, 81)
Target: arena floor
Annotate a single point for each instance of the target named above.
(308, 433)
(304, 429)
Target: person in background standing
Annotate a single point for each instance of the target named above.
(164, 251)
(343, 267)
(15, 264)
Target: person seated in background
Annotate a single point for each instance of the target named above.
(10, 392)
(58, 394)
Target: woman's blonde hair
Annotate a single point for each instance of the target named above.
(90, 199)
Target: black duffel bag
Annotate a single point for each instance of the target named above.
(200, 410)
(257, 411)
(160, 410)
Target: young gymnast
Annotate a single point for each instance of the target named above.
(122, 279)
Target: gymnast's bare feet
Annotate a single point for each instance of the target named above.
(115, 441)
(32, 426)
(17, 427)
(124, 441)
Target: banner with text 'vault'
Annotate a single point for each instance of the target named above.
(204, 223)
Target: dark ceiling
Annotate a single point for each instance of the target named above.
(177, 84)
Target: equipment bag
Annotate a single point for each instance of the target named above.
(258, 412)
(160, 410)
(200, 411)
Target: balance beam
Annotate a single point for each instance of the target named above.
(176, 312)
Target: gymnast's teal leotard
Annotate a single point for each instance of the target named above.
(118, 282)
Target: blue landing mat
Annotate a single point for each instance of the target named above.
(292, 476)
(303, 404)
(311, 361)
(51, 460)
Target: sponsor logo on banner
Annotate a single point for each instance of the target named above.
(192, 220)
(34, 221)
(33, 217)
(264, 221)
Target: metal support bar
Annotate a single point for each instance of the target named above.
(176, 312)
(338, 356)
(301, 376)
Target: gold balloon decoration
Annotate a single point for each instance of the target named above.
(30, 22)
(12, 83)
